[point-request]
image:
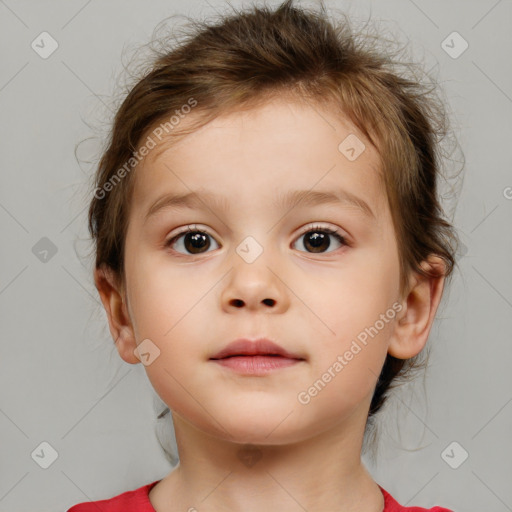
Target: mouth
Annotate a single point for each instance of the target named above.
(256, 364)
(257, 357)
(258, 347)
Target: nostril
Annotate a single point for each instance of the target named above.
(239, 303)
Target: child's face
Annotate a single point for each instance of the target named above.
(315, 304)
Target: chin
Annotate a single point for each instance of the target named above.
(271, 431)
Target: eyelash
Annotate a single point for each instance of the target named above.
(324, 229)
(314, 228)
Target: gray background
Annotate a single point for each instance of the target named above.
(61, 380)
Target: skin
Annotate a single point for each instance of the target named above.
(308, 456)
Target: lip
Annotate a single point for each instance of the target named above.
(257, 365)
(255, 357)
(257, 347)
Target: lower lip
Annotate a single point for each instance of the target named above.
(256, 365)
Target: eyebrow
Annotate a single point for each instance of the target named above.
(288, 200)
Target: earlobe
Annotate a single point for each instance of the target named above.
(118, 318)
(413, 324)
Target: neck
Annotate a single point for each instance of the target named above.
(320, 473)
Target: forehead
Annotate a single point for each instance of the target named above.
(263, 151)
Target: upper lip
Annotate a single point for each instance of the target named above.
(260, 346)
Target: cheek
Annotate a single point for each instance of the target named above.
(352, 298)
(354, 318)
(172, 307)
(163, 296)
(345, 366)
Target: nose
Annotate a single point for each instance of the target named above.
(256, 287)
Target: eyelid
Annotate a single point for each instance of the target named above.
(344, 238)
(303, 230)
(313, 225)
(332, 230)
(188, 228)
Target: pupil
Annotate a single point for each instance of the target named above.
(315, 240)
(194, 242)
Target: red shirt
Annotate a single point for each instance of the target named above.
(138, 501)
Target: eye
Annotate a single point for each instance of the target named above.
(194, 240)
(317, 239)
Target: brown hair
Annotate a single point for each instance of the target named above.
(253, 55)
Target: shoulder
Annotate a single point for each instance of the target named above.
(136, 500)
(391, 505)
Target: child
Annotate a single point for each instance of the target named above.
(270, 245)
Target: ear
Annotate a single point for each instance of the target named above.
(118, 318)
(419, 309)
